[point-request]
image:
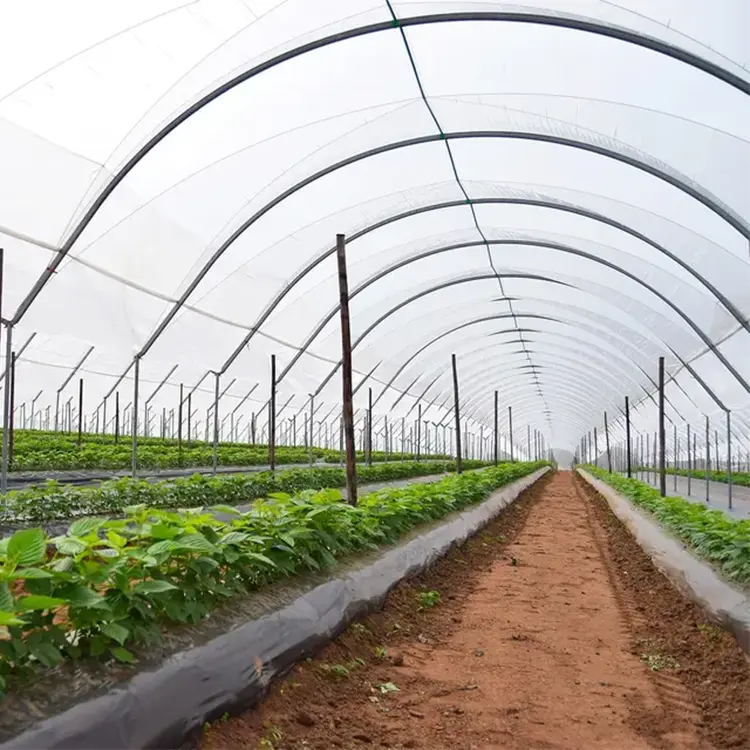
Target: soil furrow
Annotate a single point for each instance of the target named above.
(546, 635)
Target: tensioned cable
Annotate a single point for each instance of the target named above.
(463, 191)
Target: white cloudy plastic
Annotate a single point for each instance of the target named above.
(557, 207)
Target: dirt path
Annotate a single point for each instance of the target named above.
(533, 646)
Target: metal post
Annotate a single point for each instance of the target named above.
(675, 459)
(729, 457)
(689, 462)
(662, 434)
(11, 385)
(346, 371)
(272, 418)
(419, 431)
(606, 438)
(497, 435)
(134, 441)
(510, 431)
(215, 451)
(117, 417)
(80, 411)
(179, 425)
(312, 414)
(708, 458)
(459, 468)
(369, 426)
(528, 442)
(596, 448)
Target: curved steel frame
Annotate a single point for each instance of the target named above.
(550, 245)
(571, 22)
(490, 318)
(548, 204)
(433, 251)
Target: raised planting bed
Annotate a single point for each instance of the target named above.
(704, 553)
(740, 478)
(52, 501)
(78, 609)
(36, 450)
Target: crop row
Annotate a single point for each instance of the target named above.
(741, 478)
(53, 501)
(109, 586)
(713, 535)
(49, 451)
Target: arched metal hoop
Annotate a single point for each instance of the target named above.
(530, 243)
(571, 22)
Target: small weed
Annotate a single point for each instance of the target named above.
(514, 561)
(359, 629)
(711, 632)
(388, 687)
(272, 735)
(428, 599)
(294, 684)
(657, 662)
(381, 653)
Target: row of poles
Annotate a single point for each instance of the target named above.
(651, 449)
(453, 439)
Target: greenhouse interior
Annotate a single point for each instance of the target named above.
(316, 235)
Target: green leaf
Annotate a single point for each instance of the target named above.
(194, 542)
(6, 598)
(115, 631)
(36, 602)
(233, 537)
(28, 573)
(153, 587)
(27, 547)
(67, 546)
(47, 654)
(230, 509)
(7, 619)
(261, 558)
(85, 526)
(160, 548)
(63, 565)
(83, 596)
(123, 655)
(131, 510)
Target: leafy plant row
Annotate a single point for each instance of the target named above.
(741, 478)
(54, 501)
(109, 585)
(712, 534)
(35, 450)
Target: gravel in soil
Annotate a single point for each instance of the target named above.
(546, 634)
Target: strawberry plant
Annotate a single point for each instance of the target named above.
(110, 585)
(713, 535)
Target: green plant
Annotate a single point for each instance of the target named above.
(381, 653)
(713, 535)
(388, 687)
(428, 599)
(53, 501)
(111, 584)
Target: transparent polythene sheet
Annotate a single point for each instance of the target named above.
(529, 180)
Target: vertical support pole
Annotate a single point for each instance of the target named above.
(689, 461)
(510, 431)
(528, 442)
(272, 418)
(6, 409)
(729, 458)
(708, 458)
(134, 437)
(606, 438)
(117, 417)
(369, 426)
(179, 425)
(596, 448)
(80, 411)
(662, 434)
(12, 388)
(676, 462)
(189, 418)
(419, 432)
(496, 435)
(346, 372)
(403, 437)
(312, 414)
(457, 414)
(215, 446)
